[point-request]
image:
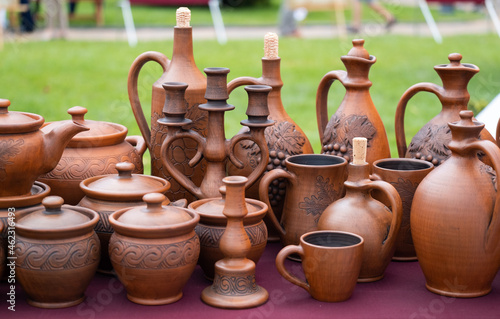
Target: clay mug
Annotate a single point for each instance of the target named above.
(405, 174)
(331, 261)
(314, 182)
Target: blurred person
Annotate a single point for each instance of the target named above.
(375, 6)
(289, 18)
(57, 19)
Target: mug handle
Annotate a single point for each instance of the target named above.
(280, 265)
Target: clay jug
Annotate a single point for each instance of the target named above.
(284, 139)
(181, 68)
(431, 141)
(455, 216)
(359, 213)
(356, 115)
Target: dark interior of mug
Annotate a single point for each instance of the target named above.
(331, 239)
(316, 159)
(404, 165)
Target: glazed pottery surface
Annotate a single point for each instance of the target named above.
(431, 141)
(181, 68)
(358, 212)
(331, 262)
(57, 253)
(27, 151)
(455, 216)
(314, 182)
(404, 174)
(91, 153)
(356, 115)
(154, 250)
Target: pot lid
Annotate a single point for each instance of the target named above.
(100, 133)
(154, 214)
(215, 207)
(125, 186)
(17, 122)
(53, 215)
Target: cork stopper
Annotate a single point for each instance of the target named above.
(271, 45)
(183, 17)
(359, 150)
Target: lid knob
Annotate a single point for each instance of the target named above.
(455, 59)
(53, 204)
(153, 200)
(466, 118)
(358, 50)
(77, 113)
(124, 169)
(4, 105)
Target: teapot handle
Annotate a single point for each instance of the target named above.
(493, 153)
(400, 111)
(280, 265)
(322, 98)
(264, 195)
(244, 80)
(133, 94)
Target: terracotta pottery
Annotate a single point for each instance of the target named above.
(214, 148)
(234, 283)
(331, 262)
(181, 68)
(356, 115)
(284, 138)
(404, 174)
(431, 141)
(455, 216)
(108, 193)
(26, 151)
(213, 224)
(2, 251)
(154, 250)
(57, 253)
(91, 153)
(358, 212)
(314, 182)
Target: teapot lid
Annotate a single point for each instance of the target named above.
(17, 122)
(100, 133)
(125, 186)
(154, 213)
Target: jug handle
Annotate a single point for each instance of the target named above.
(244, 80)
(491, 150)
(497, 137)
(322, 98)
(133, 94)
(400, 111)
(280, 265)
(264, 195)
(138, 143)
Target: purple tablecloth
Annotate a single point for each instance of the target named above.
(401, 294)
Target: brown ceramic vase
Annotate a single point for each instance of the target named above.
(57, 253)
(455, 220)
(154, 250)
(91, 153)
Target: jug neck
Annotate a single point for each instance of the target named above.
(183, 44)
(271, 75)
(357, 71)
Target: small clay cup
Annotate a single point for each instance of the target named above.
(331, 261)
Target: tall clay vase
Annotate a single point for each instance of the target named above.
(314, 182)
(181, 68)
(431, 141)
(455, 216)
(356, 115)
(284, 139)
(359, 213)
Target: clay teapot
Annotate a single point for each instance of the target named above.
(91, 153)
(455, 216)
(57, 253)
(27, 151)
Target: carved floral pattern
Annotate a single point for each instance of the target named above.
(406, 190)
(37, 256)
(210, 236)
(234, 285)
(8, 149)
(325, 195)
(431, 144)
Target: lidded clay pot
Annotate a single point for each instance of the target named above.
(57, 252)
(154, 250)
(92, 153)
(213, 224)
(108, 193)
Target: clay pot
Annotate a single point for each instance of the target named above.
(359, 213)
(93, 153)
(57, 253)
(356, 115)
(180, 68)
(2, 251)
(154, 250)
(108, 193)
(27, 151)
(213, 224)
(455, 216)
(431, 141)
